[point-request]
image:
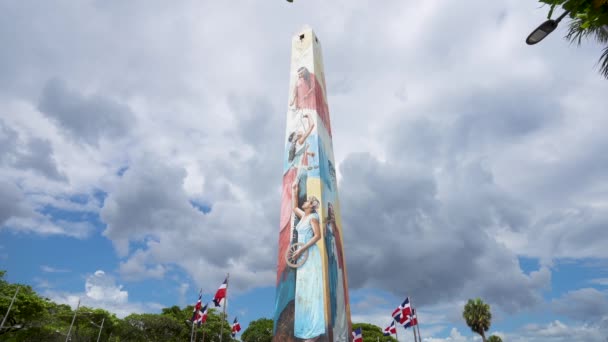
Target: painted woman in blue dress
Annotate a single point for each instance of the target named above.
(309, 309)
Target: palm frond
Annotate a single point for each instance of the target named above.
(576, 33)
(603, 62)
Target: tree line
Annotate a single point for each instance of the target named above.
(36, 318)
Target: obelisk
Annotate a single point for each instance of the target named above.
(312, 290)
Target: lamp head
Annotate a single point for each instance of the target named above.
(541, 32)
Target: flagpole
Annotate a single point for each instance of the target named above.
(418, 327)
(396, 335)
(191, 330)
(225, 302)
(412, 316)
(9, 309)
(67, 338)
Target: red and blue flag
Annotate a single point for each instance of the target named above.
(402, 312)
(390, 330)
(236, 327)
(221, 293)
(357, 335)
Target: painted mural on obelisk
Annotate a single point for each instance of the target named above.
(312, 290)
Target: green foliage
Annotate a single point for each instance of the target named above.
(28, 310)
(371, 333)
(592, 13)
(258, 331)
(494, 338)
(589, 19)
(36, 319)
(152, 327)
(478, 316)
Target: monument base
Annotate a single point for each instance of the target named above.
(284, 332)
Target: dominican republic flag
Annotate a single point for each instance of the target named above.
(198, 318)
(197, 308)
(407, 323)
(391, 329)
(221, 293)
(357, 335)
(204, 313)
(236, 327)
(413, 318)
(201, 316)
(403, 311)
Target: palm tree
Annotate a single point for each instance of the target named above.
(478, 316)
(494, 338)
(577, 32)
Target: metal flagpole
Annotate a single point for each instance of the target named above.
(200, 293)
(98, 336)
(9, 308)
(191, 330)
(225, 303)
(418, 327)
(67, 338)
(396, 333)
(412, 316)
(203, 326)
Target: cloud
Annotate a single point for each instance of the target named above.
(454, 336)
(12, 202)
(8, 143)
(149, 206)
(39, 157)
(86, 118)
(99, 287)
(600, 281)
(49, 269)
(39, 224)
(557, 331)
(443, 249)
(36, 155)
(136, 269)
(587, 305)
(101, 291)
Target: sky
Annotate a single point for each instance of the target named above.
(141, 148)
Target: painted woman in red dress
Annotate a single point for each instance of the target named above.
(308, 94)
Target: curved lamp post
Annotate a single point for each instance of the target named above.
(99, 326)
(544, 29)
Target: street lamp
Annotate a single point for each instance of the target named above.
(99, 326)
(9, 308)
(60, 333)
(544, 29)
